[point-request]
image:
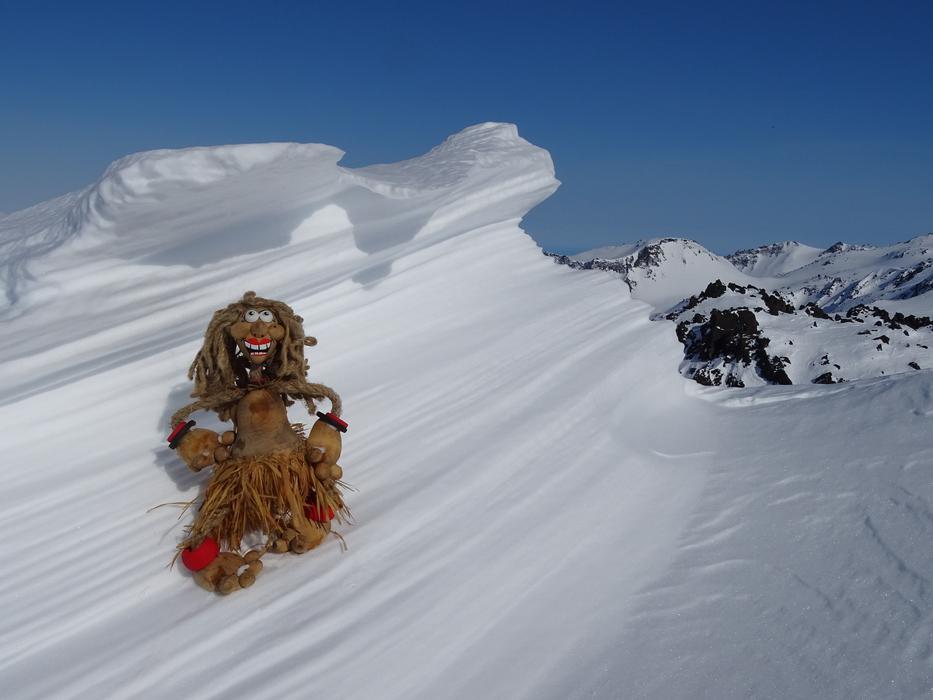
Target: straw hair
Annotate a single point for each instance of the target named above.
(221, 373)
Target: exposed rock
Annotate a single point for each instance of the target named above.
(825, 378)
(732, 336)
(733, 381)
(913, 364)
(776, 303)
(815, 311)
(714, 290)
(708, 377)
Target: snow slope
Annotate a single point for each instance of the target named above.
(845, 275)
(775, 259)
(545, 507)
(806, 570)
(496, 467)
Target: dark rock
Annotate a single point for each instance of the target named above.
(814, 310)
(776, 303)
(913, 364)
(691, 302)
(733, 381)
(771, 368)
(911, 321)
(708, 377)
(728, 334)
(714, 290)
(884, 339)
(825, 378)
(683, 328)
(857, 310)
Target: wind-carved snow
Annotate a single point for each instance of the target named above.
(545, 507)
(508, 507)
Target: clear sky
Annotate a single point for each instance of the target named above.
(732, 123)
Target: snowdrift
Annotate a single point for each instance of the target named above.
(495, 464)
(545, 508)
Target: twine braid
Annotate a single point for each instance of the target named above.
(217, 368)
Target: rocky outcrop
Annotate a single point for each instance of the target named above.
(729, 337)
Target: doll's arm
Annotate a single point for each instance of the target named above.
(324, 443)
(199, 447)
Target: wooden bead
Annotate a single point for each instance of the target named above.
(322, 471)
(228, 584)
(336, 472)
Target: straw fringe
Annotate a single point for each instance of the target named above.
(265, 493)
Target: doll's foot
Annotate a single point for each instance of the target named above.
(228, 585)
(310, 538)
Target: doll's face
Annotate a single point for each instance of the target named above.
(257, 333)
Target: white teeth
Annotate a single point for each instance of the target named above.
(257, 347)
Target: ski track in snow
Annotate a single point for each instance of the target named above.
(544, 507)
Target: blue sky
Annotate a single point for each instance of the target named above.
(732, 123)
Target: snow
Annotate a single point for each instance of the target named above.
(774, 260)
(545, 508)
(663, 271)
(805, 570)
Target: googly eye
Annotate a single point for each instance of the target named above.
(266, 316)
(251, 315)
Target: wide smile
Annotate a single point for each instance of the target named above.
(257, 346)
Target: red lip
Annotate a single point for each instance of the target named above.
(259, 341)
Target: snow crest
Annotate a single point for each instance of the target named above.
(496, 465)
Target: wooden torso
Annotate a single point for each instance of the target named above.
(262, 425)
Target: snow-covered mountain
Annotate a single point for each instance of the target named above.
(659, 271)
(786, 312)
(545, 508)
(845, 275)
(775, 259)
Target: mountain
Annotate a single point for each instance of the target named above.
(843, 276)
(775, 259)
(659, 271)
(544, 506)
(784, 313)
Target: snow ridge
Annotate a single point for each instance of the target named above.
(545, 507)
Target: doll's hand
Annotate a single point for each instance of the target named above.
(201, 448)
(323, 444)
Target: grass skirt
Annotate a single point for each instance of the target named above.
(264, 493)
